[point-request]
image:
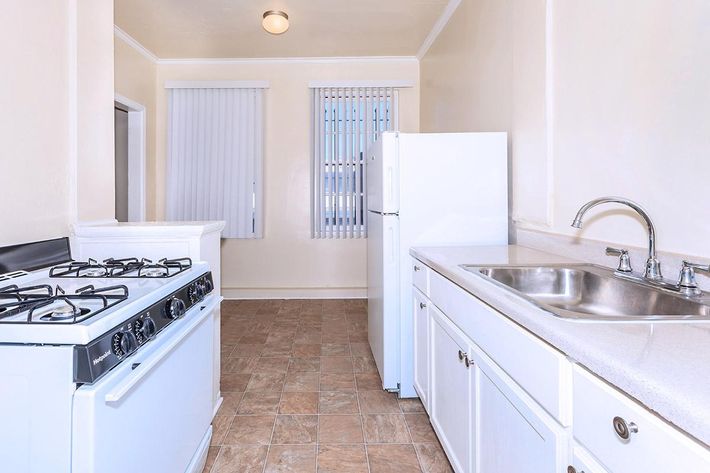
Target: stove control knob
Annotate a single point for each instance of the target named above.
(144, 329)
(175, 308)
(196, 292)
(123, 343)
(208, 285)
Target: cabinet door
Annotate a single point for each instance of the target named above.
(582, 462)
(421, 347)
(514, 434)
(451, 392)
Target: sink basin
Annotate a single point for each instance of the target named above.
(593, 292)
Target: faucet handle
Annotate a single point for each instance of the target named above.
(687, 281)
(624, 259)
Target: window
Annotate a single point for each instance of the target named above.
(346, 121)
(215, 148)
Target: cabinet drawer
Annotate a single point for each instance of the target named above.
(541, 370)
(652, 446)
(420, 276)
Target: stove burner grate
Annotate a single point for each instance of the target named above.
(43, 305)
(122, 268)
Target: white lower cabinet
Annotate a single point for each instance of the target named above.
(421, 347)
(452, 392)
(583, 462)
(503, 401)
(514, 434)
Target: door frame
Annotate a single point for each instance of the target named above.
(136, 157)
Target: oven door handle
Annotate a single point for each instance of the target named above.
(144, 368)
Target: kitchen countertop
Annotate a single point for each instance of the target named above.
(150, 229)
(663, 365)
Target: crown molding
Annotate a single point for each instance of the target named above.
(285, 60)
(129, 40)
(438, 27)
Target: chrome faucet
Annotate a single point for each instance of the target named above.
(653, 266)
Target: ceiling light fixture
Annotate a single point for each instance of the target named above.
(275, 21)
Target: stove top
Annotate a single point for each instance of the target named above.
(68, 305)
(121, 268)
(41, 303)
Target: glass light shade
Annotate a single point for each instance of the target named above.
(275, 22)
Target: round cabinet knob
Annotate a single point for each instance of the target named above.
(175, 308)
(461, 355)
(468, 362)
(422, 305)
(624, 429)
(571, 469)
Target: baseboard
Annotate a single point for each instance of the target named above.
(294, 293)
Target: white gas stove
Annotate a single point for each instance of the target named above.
(100, 359)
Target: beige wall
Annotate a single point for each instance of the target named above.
(135, 79)
(607, 98)
(57, 73)
(287, 261)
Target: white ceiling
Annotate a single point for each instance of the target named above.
(174, 29)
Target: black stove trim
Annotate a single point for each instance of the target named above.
(34, 255)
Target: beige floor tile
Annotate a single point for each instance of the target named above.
(420, 428)
(240, 459)
(275, 364)
(393, 459)
(340, 429)
(250, 430)
(302, 381)
(220, 426)
(368, 381)
(385, 428)
(360, 349)
(378, 402)
(258, 402)
(241, 365)
(342, 459)
(336, 364)
(295, 429)
(234, 382)
(337, 382)
(212, 453)
(299, 403)
(335, 349)
(243, 349)
(305, 350)
(266, 382)
(291, 459)
(276, 349)
(230, 403)
(338, 402)
(411, 406)
(364, 364)
(432, 458)
(312, 363)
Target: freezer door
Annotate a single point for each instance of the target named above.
(383, 302)
(383, 174)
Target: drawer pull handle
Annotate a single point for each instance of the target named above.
(422, 305)
(462, 355)
(417, 268)
(624, 430)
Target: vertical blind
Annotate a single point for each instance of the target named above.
(346, 121)
(215, 153)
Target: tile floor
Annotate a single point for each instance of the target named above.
(302, 394)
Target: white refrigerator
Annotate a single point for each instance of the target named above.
(424, 189)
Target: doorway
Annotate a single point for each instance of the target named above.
(121, 162)
(129, 160)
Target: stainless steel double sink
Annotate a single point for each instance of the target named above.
(590, 292)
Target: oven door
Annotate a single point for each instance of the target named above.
(153, 412)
